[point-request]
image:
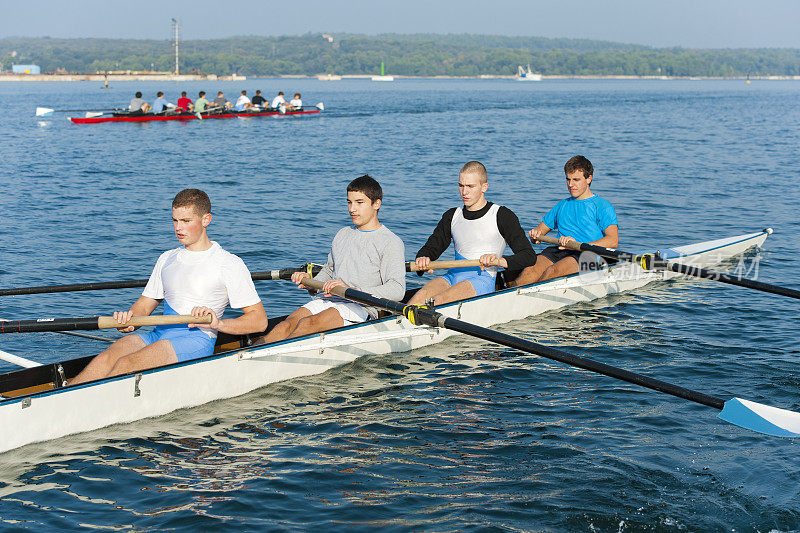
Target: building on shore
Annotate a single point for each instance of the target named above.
(25, 69)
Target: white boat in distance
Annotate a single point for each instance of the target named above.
(523, 75)
(37, 408)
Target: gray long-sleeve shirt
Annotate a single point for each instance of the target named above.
(370, 261)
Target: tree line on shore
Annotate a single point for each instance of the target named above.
(409, 55)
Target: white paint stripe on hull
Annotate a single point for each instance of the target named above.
(156, 392)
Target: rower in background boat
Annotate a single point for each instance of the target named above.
(279, 102)
(366, 256)
(478, 230)
(138, 106)
(583, 217)
(160, 103)
(258, 99)
(201, 103)
(220, 102)
(185, 103)
(295, 103)
(242, 103)
(198, 278)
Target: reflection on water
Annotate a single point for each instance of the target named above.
(465, 435)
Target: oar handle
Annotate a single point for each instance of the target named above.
(443, 265)
(108, 322)
(572, 245)
(313, 284)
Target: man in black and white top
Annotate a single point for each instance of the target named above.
(479, 230)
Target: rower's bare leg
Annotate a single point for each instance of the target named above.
(159, 353)
(459, 291)
(429, 290)
(322, 321)
(564, 267)
(283, 329)
(532, 274)
(101, 365)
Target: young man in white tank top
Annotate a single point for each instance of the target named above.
(198, 279)
(480, 230)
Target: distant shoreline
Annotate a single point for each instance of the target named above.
(119, 77)
(236, 77)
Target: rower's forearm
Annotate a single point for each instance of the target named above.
(608, 241)
(247, 323)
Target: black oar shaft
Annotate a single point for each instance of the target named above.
(727, 278)
(284, 273)
(49, 324)
(74, 287)
(650, 261)
(421, 315)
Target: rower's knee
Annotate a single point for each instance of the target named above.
(528, 275)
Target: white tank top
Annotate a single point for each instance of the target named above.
(473, 238)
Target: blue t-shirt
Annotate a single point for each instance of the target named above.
(159, 104)
(583, 220)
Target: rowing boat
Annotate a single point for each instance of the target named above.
(125, 117)
(38, 408)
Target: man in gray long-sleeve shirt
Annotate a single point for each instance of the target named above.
(365, 256)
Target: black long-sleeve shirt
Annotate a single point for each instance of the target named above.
(508, 225)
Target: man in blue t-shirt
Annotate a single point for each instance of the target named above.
(583, 217)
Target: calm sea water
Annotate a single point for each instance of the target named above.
(462, 436)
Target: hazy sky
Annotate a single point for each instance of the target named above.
(690, 23)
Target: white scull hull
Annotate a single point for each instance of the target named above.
(55, 413)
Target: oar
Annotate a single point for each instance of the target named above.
(443, 265)
(44, 111)
(654, 262)
(744, 413)
(284, 273)
(75, 334)
(17, 360)
(96, 322)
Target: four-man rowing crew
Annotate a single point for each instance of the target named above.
(161, 110)
(124, 383)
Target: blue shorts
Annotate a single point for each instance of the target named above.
(188, 343)
(481, 280)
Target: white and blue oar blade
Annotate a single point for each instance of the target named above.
(761, 418)
(44, 111)
(320, 106)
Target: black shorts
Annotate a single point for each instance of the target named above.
(555, 255)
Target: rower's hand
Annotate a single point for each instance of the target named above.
(534, 235)
(487, 260)
(328, 286)
(298, 277)
(204, 311)
(122, 317)
(562, 241)
(422, 265)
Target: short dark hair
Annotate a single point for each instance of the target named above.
(280, 92)
(195, 198)
(244, 92)
(138, 94)
(159, 93)
(183, 93)
(579, 162)
(367, 185)
(258, 91)
(201, 93)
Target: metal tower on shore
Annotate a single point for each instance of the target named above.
(175, 33)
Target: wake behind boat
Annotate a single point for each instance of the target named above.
(37, 407)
